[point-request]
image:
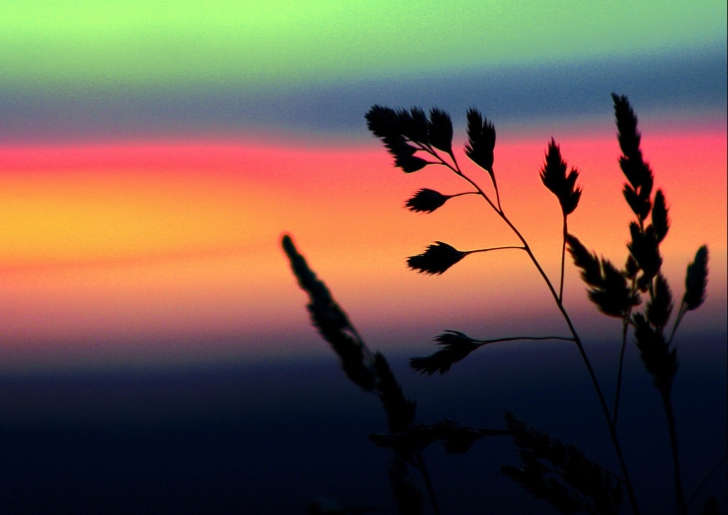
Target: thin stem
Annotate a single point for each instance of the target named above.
(579, 345)
(495, 187)
(516, 338)
(615, 412)
(625, 329)
(464, 193)
(445, 163)
(572, 329)
(612, 428)
(455, 161)
(704, 481)
(428, 482)
(517, 247)
(680, 508)
(433, 153)
(456, 169)
(592, 375)
(563, 256)
(680, 314)
(480, 191)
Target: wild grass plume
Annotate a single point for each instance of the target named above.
(637, 293)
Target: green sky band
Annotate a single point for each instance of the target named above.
(105, 45)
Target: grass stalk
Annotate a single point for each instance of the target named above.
(422, 467)
(680, 508)
(577, 340)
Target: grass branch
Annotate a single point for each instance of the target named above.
(577, 340)
(680, 508)
(563, 259)
(705, 480)
(405, 133)
(678, 319)
(422, 467)
(620, 371)
(620, 368)
(488, 249)
(528, 338)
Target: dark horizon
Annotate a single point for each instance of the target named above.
(268, 438)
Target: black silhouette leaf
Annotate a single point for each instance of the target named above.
(426, 201)
(456, 345)
(436, 259)
(643, 283)
(638, 203)
(560, 473)
(659, 360)
(644, 247)
(613, 297)
(400, 411)
(440, 130)
(481, 140)
(332, 323)
(571, 199)
(660, 306)
(398, 146)
(410, 164)
(585, 260)
(637, 172)
(403, 153)
(608, 286)
(628, 135)
(383, 121)
(553, 175)
(397, 129)
(660, 220)
(631, 268)
(415, 126)
(696, 280)
(372, 373)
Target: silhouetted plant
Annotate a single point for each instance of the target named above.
(551, 470)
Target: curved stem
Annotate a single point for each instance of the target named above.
(464, 193)
(617, 393)
(605, 410)
(495, 187)
(579, 345)
(563, 256)
(530, 338)
(454, 161)
(456, 170)
(680, 508)
(572, 329)
(678, 319)
(516, 247)
(428, 482)
(625, 329)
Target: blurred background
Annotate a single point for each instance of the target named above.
(155, 350)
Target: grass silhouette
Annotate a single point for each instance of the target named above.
(637, 293)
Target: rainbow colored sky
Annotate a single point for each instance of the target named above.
(153, 153)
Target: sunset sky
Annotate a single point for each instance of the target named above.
(152, 154)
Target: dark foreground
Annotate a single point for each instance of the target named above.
(268, 438)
